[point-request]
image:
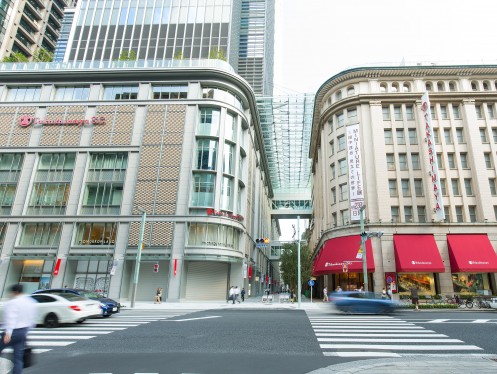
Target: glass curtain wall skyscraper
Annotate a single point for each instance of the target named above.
(240, 32)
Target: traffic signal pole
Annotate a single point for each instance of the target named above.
(138, 257)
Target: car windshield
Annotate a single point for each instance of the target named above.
(90, 295)
(71, 297)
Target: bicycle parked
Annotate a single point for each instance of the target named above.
(481, 303)
(463, 303)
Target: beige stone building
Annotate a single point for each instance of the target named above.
(397, 178)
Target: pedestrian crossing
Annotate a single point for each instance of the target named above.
(382, 336)
(44, 340)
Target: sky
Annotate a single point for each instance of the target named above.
(316, 39)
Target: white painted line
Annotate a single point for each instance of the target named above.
(335, 326)
(368, 331)
(48, 337)
(361, 354)
(387, 335)
(480, 321)
(54, 344)
(395, 347)
(437, 321)
(365, 340)
(83, 328)
(35, 350)
(110, 323)
(110, 326)
(36, 332)
(189, 319)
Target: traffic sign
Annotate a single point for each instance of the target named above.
(311, 283)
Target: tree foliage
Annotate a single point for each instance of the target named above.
(178, 55)
(42, 55)
(15, 57)
(217, 54)
(127, 56)
(289, 264)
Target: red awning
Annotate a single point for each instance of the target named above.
(471, 253)
(342, 250)
(417, 254)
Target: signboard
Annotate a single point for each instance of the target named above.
(356, 187)
(28, 120)
(432, 155)
(311, 283)
(212, 212)
(391, 281)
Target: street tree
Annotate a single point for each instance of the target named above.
(15, 57)
(289, 264)
(42, 55)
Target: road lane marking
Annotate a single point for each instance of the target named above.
(337, 325)
(366, 340)
(437, 321)
(362, 354)
(480, 321)
(395, 347)
(368, 331)
(189, 319)
(385, 335)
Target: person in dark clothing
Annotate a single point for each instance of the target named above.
(243, 294)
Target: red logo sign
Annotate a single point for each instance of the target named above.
(212, 212)
(27, 120)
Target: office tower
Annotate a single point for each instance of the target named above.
(28, 25)
(65, 30)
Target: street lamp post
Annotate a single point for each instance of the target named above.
(364, 238)
(299, 272)
(138, 256)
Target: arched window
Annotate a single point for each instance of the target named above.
(452, 86)
(406, 87)
(395, 87)
(383, 87)
(474, 86)
(486, 86)
(339, 95)
(350, 91)
(440, 86)
(428, 86)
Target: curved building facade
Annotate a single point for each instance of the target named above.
(428, 186)
(86, 148)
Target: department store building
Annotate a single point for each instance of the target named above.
(429, 186)
(85, 147)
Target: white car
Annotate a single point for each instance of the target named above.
(58, 308)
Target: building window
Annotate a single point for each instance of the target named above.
(443, 112)
(397, 110)
(345, 217)
(10, 170)
(401, 139)
(421, 214)
(330, 122)
(490, 111)
(409, 112)
(96, 234)
(209, 122)
(213, 235)
(455, 187)
(406, 87)
(464, 160)
(203, 189)
(169, 92)
(459, 215)
(494, 134)
(468, 187)
(413, 137)
(52, 183)
(493, 186)
(350, 91)
(408, 213)
(456, 111)
(460, 135)
(383, 87)
(20, 94)
(452, 86)
(415, 161)
(344, 192)
(332, 148)
(386, 113)
(474, 86)
(447, 214)
(120, 92)
(64, 93)
(440, 161)
(221, 94)
(433, 112)
(342, 164)
(452, 161)
(333, 171)
(472, 213)
(483, 135)
(418, 187)
(406, 188)
(403, 161)
(93, 275)
(231, 127)
(394, 211)
(227, 194)
(333, 195)
(340, 120)
(395, 87)
(495, 211)
(390, 161)
(41, 234)
(479, 113)
(436, 136)
(352, 115)
(334, 219)
(338, 95)
(206, 154)
(488, 160)
(440, 86)
(392, 186)
(443, 186)
(447, 136)
(229, 159)
(388, 136)
(428, 86)
(341, 143)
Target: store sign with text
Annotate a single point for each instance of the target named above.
(27, 120)
(212, 212)
(432, 156)
(356, 189)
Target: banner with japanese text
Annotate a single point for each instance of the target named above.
(356, 186)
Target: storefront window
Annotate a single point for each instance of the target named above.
(96, 234)
(213, 235)
(467, 283)
(424, 282)
(93, 275)
(41, 234)
(36, 274)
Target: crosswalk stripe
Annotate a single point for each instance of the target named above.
(52, 344)
(480, 321)
(35, 350)
(114, 325)
(362, 354)
(437, 321)
(366, 340)
(50, 337)
(402, 347)
(98, 332)
(385, 335)
(372, 326)
(372, 330)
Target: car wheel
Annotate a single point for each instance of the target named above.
(51, 321)
(81, 320)
(107, 315)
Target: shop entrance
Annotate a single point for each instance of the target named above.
(348, 281)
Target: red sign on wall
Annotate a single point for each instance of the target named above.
(57, 267)
(391, 281)
(27, 120)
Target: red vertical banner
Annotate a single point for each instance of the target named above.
(57, 267)
(250, 272)
(175, 266)
(391, 281)
(267, 278)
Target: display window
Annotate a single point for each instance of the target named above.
(93, 275)
(36, 275)
(424, 282)
(470, 283)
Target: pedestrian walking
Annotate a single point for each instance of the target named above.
(384, 293)
(292, 295)
(158, 296)
(415, 297)
(243, 294)
(237, 294)
(338, 289)
(19, 316)
(232, 294)
(325, 294)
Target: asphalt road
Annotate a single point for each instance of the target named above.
(236, 341)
